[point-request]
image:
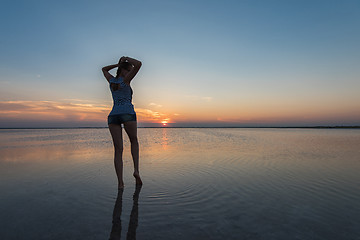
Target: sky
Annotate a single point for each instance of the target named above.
(205, 63)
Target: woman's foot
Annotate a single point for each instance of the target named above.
(137, 178)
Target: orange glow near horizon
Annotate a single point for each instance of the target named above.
(82, 112)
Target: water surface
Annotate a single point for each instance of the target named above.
(205, 183)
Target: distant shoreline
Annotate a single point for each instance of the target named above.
(312, 127)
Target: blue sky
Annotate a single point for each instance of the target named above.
(204, 62)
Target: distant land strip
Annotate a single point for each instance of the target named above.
(310, 127)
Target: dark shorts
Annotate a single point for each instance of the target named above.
(121, 118)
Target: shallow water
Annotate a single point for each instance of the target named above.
(206, 183)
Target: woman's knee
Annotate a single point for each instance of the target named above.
(118, 148)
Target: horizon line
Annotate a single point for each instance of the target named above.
(321, 126)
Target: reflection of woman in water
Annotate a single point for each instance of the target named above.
(116, 218)
(123, 113)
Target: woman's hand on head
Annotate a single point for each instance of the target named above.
(122, 59)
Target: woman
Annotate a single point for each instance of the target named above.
(123, 113)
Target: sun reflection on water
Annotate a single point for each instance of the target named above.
(164, 139)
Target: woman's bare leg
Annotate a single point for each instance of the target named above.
(131, 130)
(116, 134)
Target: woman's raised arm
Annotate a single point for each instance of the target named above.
(106, 70)
(136, 66)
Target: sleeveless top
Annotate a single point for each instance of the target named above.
(122, 98)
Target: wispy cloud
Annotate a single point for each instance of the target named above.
(147, 115)
(75, 110)
(199, 98)
(52, 110)
(155, 105)
(208, 99)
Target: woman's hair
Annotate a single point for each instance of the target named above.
(123, 65)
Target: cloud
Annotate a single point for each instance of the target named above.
(199, 98)
(69, 111)
(147, 115)
(208, 99)
(155, 105)
(52, 110)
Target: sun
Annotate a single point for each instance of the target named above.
(164, 123)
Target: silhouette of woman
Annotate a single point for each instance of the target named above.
(123, 113)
